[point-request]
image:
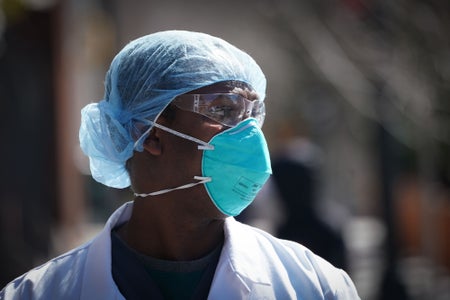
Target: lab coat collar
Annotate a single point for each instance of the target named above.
(238, 272)
(240, 246)
(98, 282)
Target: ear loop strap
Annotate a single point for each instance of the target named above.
(186, 186)
(202, 146)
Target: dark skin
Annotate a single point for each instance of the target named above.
(180, 225)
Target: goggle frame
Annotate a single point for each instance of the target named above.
(225, 108)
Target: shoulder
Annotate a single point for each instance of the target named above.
(75, 274)
(299, 265)
(56, 279)
(269, 244)
(333, 281)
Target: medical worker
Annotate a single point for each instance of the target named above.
(180, 123)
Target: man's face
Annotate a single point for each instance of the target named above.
(182, 158)
(199, 126)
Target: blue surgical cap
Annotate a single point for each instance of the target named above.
(144, 77)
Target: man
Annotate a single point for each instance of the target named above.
(180, 123)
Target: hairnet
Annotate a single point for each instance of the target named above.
(143, 78)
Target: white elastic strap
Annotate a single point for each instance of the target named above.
(186, 186)
(202, 145)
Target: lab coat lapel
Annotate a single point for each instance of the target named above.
(239, 274)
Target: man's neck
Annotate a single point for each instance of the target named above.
(165, 233)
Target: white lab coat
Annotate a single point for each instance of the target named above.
(253, 265)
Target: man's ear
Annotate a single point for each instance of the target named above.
(152, 144)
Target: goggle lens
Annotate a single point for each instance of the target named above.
(226, 108)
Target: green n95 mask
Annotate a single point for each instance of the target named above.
(238, 166)
(235, 166)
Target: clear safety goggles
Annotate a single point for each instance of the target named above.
(226, 108)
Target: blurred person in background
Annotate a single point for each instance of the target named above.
(288, 205)
(181, 124)
(295, 180)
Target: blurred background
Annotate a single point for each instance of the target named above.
(358, 127)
